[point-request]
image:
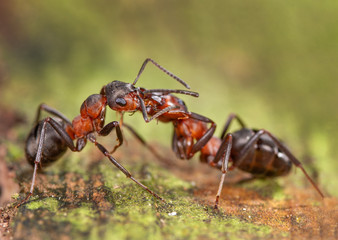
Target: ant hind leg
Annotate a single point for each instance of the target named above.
(67, 140)
(223, 152)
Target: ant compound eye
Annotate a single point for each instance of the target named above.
(121, 102)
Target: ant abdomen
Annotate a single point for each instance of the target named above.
(262, 159)
(54, 145)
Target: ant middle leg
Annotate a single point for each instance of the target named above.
(121, 168)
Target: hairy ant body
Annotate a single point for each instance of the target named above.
(254, 151)
(50, 138)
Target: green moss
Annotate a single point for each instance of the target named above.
(190, 222)
(81, 218)
(179, 218)
(193, 221)
(47, 203)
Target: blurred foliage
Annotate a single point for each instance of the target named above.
(272, 62)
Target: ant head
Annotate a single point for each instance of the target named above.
(121, 96)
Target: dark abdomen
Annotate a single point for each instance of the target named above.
(54, 146)
(262, 159)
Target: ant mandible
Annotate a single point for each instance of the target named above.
(254, 151)
(50, 138)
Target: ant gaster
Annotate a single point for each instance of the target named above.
(50, 138)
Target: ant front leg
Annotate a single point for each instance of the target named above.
(159, 113)
(120, 167)
(108, 128)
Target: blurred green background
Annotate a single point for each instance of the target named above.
(272, 62)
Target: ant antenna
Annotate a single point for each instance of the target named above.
(161, 68)
(166, 91)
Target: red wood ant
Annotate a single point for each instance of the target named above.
(50, 138)
(254, 151)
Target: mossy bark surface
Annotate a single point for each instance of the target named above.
(83, 196)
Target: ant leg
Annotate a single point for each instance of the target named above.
(108, 128)
(144, 111)
(174, 143)
(178, 147)
(207, 135)
(161, 68)
(223, 152)
(231, 117)
(144, 143)
(121, 168)
(63, 134)
(294, 160)
(52, 111)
